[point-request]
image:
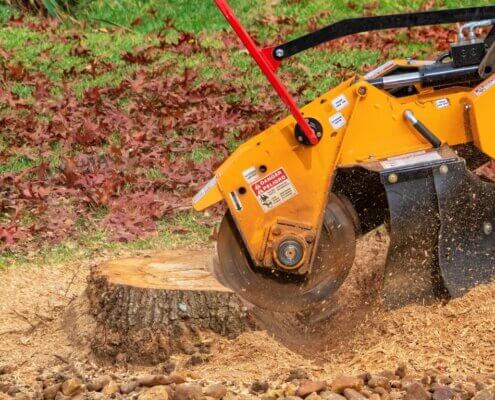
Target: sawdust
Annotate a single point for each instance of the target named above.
(457, 337)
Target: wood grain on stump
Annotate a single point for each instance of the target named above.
(149, 308)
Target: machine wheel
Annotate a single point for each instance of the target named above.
(280, 291)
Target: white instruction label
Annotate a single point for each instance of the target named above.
(273, 190)
(341, 102)
(442, 103)
(410, 159)
(206, 188)
(250, 174)
(484, 87)
(337, 121)
(381, 70)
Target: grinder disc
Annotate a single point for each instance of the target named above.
(276, 290)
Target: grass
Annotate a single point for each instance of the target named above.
(106, 29)
(92, 243)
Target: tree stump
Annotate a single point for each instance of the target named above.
(149, 308)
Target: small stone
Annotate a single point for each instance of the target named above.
(290, 390)
(445, 380)
(156, 380)
(396, 384)
(111, 388)
(297, 373)
(71, 387)
(401, 371)
(343, 382)
(313, 396)
(307, 387)
(416, 391)
(14, 389)
(188, 391)
(365, 377)
(272, 394)
(186, 346)
(366, 392)
(7, 369)
(22, 396)
(426, 380)
(408, 380)
(128, 387)
(169, 367)
(444, 393)
(51, 391)
(351, 394)
(216, 391)
(469, 388)
(98, 384)
(388, 374)
(484, 395)
(121, 359)
(259, 387)
(328, 395)
(381, 391)
(379, 381)
(374, 396)
(159, 392)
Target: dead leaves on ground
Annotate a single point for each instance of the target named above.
(118, 158)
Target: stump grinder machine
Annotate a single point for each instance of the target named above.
(395, 146)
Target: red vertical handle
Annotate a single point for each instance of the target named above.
(268, 65)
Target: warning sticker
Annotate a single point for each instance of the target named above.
(442, 103)
(341, 102)
(484, 87)
(250, 174)
(273, 190)
(337, 121)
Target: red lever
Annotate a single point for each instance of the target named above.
(268, 65)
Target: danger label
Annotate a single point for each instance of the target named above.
(273, 190)
(484, 87)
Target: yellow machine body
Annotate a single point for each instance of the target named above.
(276, 187)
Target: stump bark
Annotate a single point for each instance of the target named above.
(149, 308)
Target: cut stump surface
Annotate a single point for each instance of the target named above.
(149, 308)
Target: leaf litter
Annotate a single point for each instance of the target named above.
(124, 150)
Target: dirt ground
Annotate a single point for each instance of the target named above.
(38, 332)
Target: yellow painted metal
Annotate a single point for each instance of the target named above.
(360, 124)
(480, 110)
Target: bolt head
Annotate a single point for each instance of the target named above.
(393, 178)
(279, 53)
(487, 228)
(444, 170)
(362, 90)
(290, 253)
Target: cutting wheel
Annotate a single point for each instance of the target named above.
(285, 292)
